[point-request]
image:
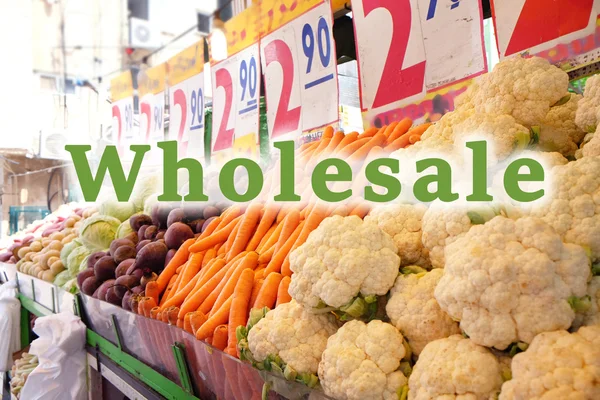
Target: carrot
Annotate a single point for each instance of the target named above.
(218, 318)
(259, 271)
(265, 224)
(361, 153)
(279, 256)
(208, 256)
(211, 297)
(289, 225)
(197, 296)
(420, 129)
(180, 296)
(267, 295)
(229, 215)
(258, 282)
(333, 143)
(154, 312)
(327, 133)
(248, 262)
(308, 150)
(187, 325)
(390, 128)
(227, 245)
(352, 147)
(266, 237)
(196, 320)
(369, 132)
(193, 267)
(238, 314)
(399, 143)
(172, 313)
(178, 259)
(145, 305)
(266, 256)
(272, 238)
(168, 290)
(412, 139)
(282, 292)
(179, 323)
(322, 145)
(247, 226)
(152, 291)
(401, 128)
(212, 226)
(220, 337)
(349, 138)
(217, 237)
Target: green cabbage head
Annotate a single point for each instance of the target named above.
(75, 259)
(123, 230)
(98, 231)
(121, 211)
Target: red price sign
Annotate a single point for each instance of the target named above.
(299, 63)
(418, 46)
(537, 25)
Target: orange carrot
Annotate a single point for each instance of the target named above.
(218, 318)
(308, 150)
(154, 312)
(247, 226)
(267, 296)
(399, 143)
(327, 133)
(152, 291)
(272, 239)
(172, 313)
(412, 139)
(217, 237)
(229, 215)
(369, 133)
(193, 267)
(282, 292)
(390, 128)
(265, 224)
(361, 153)
(212, 226)
(322, 145)
(333, 143)
(289, 225)
(250, 261)
(279, 256)
(266, 256)
(178, 259)
(209, 301)
(227, 245)
(401, 128)
(187, 326)
(196, 320)
(197, 296)
(180, 296)
(220, 337)
(210, 254)
(419, 129)
(352, 147)
(349, 138)
(266, 237)
(145, 305)
(240, 305)
(258, 282)
(259, 271)
(165, 295)
(179, 323)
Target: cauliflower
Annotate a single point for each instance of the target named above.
(455, 368)
(507, 281)
(363, 362)
(592, 146)
(558, 131)
(403, 223)
(590, 313)
(574, 206)
(586, 139)
(343, 258)
(290, 337)
(415, 312)
(443, 224)
(525, 88)
(586, 117)
(557, 365)
(443, 131)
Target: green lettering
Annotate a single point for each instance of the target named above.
(170, 167)
(512, 177)
(227, 180)
(320, 177)
(377, 177)
(110, 162)
(443, 178)
(479, 172)
(287, 172)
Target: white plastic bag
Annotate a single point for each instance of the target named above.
(10, 324)
(61, 373)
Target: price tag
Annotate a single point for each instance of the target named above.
(418, 46)
(121, 93)
(537, 25)
(299, 63)
(236, 92)
(186, 100)
(151, 89)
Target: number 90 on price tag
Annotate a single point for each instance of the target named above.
(300, 67)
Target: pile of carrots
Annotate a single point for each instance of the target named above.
(241, 260)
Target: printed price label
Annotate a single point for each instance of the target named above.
(121, 94)
(186, 99)
(151, 89)
(299, 63)
(419, 45)
(537, 25)
(236, 92)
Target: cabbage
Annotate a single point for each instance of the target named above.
(123, 230)
(149, 203)
(121, 211)
(67, 249)
(71, 286)
(143, 189)
(98, 231)
(62, 278)
(75, 259)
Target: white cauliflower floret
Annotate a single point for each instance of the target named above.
(416, 313)
(591, 148)
(443, 224)
(455, 368)
(525, 88)
(558, 131)
(403, 223)
(342, 258)
(294, 334)
(557, 365)
(574, 207)
(443, 130)
(588, 108)
(361, 362)
(591, 316)
(506, 281)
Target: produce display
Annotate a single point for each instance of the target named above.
(20, 371)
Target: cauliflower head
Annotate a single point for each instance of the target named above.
(574, 206)
(557, 365)
(342, 258)
(508, 280)
(443, 130)
(592, 146)
(294, 334)
(558, 131)
(588, 108)
(362, 361)
(416, 313)
(586, 139)
(590, 315)
(455, 368)
(403, 223)
(525, 88)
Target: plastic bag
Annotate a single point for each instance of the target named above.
(10, 324)
(61, 373)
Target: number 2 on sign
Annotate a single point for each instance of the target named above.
(224, 139)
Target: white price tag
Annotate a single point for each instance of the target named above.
(152, 108)
(299, 62)
(236, 92)
(186, 123)
(122, 123)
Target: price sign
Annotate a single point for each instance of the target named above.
(236, 92)
(418, 46)
(299, 63)
(186, 101)
(537, 25)
(151, 90)
(121, 93)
